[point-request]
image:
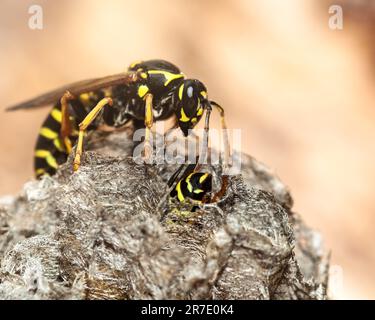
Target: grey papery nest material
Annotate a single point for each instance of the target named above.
(101, 233)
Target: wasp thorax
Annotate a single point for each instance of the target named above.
(190, 96)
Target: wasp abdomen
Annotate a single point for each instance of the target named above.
(51, 150)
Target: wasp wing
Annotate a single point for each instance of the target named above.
(76, 89)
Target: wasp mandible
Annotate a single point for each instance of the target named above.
(149, 91)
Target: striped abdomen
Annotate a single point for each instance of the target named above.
(50, 150)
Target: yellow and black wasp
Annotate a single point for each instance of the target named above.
(195, 186)
(149, 91)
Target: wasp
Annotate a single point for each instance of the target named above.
(148, 91)
(194, 186)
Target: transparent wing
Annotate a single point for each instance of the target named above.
(76, 89)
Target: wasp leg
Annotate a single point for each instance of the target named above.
(225, 134)
(223, 190)
(203, 156)
(171, 129)
(66, 127)
(149, 121)
(83, 126)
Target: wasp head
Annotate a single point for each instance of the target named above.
(195, 186)
(190, 97)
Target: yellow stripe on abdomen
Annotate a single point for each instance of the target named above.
(48, 133)
(40, 172)
(52, 135)
(57, 143)
(47, 155)
(56, 114)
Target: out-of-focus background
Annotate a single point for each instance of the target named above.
(301, 93)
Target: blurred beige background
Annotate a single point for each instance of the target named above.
(301, 93)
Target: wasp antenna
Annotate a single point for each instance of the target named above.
(218, 106)
(214, 102)
(173, 178)
(207, 105)
(189, 168)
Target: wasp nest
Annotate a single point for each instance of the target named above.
(105, 233)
